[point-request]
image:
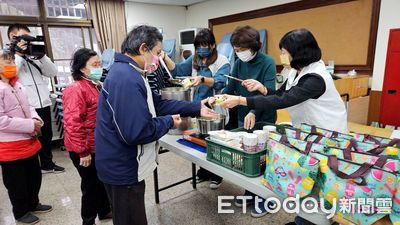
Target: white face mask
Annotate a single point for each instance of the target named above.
(245, 56)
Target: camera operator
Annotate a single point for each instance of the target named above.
(30, 72)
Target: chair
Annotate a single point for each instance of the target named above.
(169, 47)
(226, 50)
(263, 39)
(107, 58)
(226, 38)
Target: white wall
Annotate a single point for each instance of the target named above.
(389, 18)
(197, 15)
(170, 18)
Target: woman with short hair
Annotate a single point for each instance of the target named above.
(251, 64)
(309, 93)
(80, 106)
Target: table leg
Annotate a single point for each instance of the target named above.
(156, 190)
(194, 175)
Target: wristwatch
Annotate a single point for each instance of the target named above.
(202, 79)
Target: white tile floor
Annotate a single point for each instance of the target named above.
(180, 205)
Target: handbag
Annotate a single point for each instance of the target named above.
(388, 149)
(290, 170)
(313, 137)
(374, 139)
(363, 192)
(327, 133)
(387, 163)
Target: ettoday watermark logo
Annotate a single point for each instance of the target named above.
(273, 205)
(295, 205)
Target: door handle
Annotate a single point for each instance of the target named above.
(392, 92)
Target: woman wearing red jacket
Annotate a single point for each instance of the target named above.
(80, 106)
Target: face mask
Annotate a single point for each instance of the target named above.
(203, 52)
(245, 56)
(95, 74)
(150, 68)
(9, 71)
(285, 60)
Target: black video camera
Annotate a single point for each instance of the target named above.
(36, 51)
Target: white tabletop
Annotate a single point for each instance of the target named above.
(251, 184)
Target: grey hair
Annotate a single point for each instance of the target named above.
(148, 35)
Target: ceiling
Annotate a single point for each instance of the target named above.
(169, 2)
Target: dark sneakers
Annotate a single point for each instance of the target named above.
(42, 208)
(106, 217)
(58, 169)
(198, 180)
(55, 169)
(28, 219)
(215, 183)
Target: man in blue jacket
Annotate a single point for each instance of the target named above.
(130, 120)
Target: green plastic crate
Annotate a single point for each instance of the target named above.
(250, 164)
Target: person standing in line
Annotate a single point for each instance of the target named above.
(80, 106)
(19, 145)
(130, 119)
(31, 72)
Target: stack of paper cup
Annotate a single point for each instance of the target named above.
(269, 128)
(250, 142)
(262, 137)
(240, 135)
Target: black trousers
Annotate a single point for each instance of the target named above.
(46, 157)
(207, 175)
(127, 204)
(22, 178)
(94, 197)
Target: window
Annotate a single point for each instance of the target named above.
(90, 39)
(65, 41)
(64, 22)
(74, 9)
(19, 8)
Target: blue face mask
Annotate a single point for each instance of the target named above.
(95, 74)
(203, 52)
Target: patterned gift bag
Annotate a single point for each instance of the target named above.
(382, 161)
(327, 133)
(318, 138)
(395, 215)
(374, 139)
(289, 171)
(363, 193)
(388, 149)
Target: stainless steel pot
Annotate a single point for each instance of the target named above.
(206, 124)
(181, 94)
(176, 93)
